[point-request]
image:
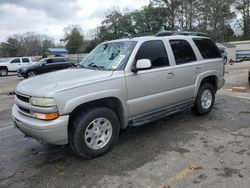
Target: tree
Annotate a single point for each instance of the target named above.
(243, 7)
(172, 8)
(148, 20)
(27, 44)
(73, 39)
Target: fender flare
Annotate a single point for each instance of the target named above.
(201, 77)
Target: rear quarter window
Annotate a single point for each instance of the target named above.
(207, 48)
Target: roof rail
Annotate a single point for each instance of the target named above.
(170, 33)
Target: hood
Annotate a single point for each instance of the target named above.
(50, 83)
(3, 63)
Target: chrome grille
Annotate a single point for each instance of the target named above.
(23, 98)
(24, 110)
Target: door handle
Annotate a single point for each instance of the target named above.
(170, 75)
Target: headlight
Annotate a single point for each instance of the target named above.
(24, 69)
(43, 102)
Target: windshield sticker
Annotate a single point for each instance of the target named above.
(118, 61)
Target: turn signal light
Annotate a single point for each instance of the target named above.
(46, 116)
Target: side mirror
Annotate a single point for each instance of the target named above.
(142, 64)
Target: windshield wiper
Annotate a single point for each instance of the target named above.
(95, 66)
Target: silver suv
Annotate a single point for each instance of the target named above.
(127, 82)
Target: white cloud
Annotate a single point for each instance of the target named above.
(50, 17)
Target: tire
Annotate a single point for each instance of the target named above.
(3, 71)
(205, 99)
(88, 137)
(31, 73)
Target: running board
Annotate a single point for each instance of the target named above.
(156, 115)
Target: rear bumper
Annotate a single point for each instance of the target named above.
(52, 132)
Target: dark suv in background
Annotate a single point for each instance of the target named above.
(44, 66)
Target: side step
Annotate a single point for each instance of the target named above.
(156, 115)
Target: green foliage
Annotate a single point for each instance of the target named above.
(73, 39)
(148, 20)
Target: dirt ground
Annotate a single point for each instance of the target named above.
(180, 151)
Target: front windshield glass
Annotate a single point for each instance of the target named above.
(42, 61)
(109, 56)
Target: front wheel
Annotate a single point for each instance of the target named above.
(205, 99)
(31, 74)
(94, 132)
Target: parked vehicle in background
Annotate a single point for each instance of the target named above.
(127, 82)
(14, 64)
(44, 66)
(249, 76)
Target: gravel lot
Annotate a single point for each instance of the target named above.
(180, 151)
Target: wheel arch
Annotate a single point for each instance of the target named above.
(5, 67)
(112, 103)
(209, 77)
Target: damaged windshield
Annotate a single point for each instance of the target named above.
(109, 56)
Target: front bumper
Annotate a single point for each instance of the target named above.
(21, 74)
(52, 132)
(221, 82)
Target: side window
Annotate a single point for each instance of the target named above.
(183, 52)
(207, 48)
(155, 51)
(16, 60)
(49, 61)
(25, 60)
(58, 60)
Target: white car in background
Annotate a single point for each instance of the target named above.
(13, 64)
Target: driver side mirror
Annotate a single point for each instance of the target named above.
(142, 64)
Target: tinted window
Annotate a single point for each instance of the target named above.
(49, 61)
(25, 60)
(58, 60)
(155, 51)
(183, 52)
(17, 60)
(207, 48)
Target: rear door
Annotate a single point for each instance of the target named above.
(25, 62)
(185, 69)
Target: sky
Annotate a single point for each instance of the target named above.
(51, 16)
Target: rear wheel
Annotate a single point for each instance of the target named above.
(205, 99)
(31, 74)
(94, 132)
(3, 71)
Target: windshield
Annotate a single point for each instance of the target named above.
(42, 61)
(109, 56)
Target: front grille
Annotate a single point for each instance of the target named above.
(24, 110)
(23, 98)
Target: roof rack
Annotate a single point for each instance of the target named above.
(170, 33)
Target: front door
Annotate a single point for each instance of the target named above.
(149, 90)
(15, 64)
